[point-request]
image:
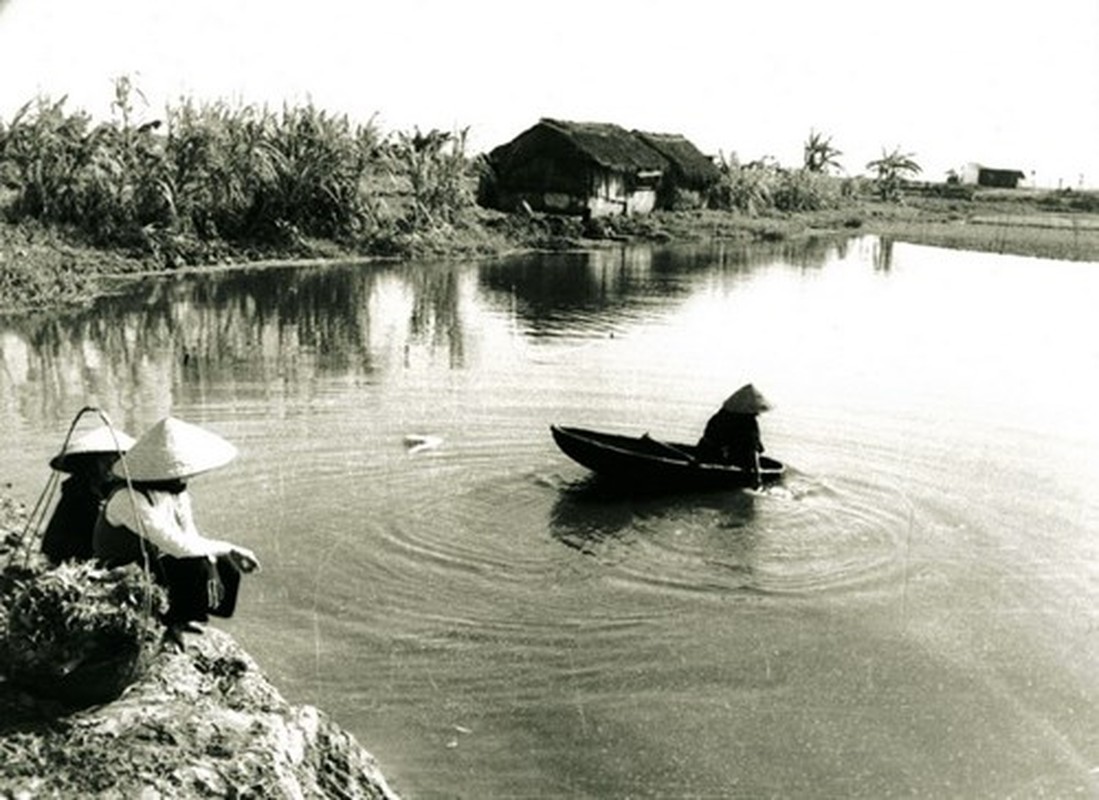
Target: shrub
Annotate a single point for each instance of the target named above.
(206, 173)
(76, 630)
(1069, 200)
(744, 189)
(759, 188)
(246, 174)
(805, 190)
(437, 174)
(891, 171)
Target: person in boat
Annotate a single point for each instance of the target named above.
(732, 434)
(87, 460)
(152, 518)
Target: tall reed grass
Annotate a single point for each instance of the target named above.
(762, 187)
(212, 175)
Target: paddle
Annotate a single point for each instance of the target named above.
(671, 448)
(694, 459)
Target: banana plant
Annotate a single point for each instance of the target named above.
(820, 154)
(891, 170)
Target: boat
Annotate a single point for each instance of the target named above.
(645, 460)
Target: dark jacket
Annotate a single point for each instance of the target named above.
(731, 439)
(69, 532)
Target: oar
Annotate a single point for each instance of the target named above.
(671, 448)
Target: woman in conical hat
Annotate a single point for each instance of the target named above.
(156, 519)
(746, 400)
(174, 450)
(87, 458)
(732, 434)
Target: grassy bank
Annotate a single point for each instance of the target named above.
(1058, 225)
(94, 702)
(213, 184)
(44, 266)
(995, 226)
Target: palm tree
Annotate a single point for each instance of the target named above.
(891, 170)
(820, 155)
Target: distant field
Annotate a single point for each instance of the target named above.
(1034, 236)
(1086, 222)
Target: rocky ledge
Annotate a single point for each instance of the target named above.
(201, 721)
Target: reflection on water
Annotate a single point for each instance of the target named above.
(811, 538)
(911, 612)
(610, 287)
(283, 330)
(591, 515)
(173, 339)
(883, 254)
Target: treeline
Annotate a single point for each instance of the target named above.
(211, 176)
(205, 182)
(763, 186)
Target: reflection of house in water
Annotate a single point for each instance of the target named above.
(551, 291)
(595, 169)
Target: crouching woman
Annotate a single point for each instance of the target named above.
(151, 519)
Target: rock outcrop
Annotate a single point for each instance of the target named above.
(202, 721)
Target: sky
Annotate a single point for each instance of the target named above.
(1011, 85)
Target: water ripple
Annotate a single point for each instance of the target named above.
(803, 537)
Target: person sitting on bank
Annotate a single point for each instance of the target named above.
(88, 460)
(156, 521)
(732, 434)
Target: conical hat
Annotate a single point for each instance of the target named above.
(173, 449)
(96, 441)
(746, 400)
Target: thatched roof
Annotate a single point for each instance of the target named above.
(606, 144)
(692, 167)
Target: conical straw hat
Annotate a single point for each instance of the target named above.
(97, 441)
(746, 400)
(172, 450)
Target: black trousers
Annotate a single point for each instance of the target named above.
(187, 581)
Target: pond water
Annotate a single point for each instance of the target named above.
(912, 612)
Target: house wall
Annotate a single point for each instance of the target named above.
(1003, 178)
(641, 201)
(611, 196)
(549, 174)
(551, 202)
(608, 197)
(976, 175)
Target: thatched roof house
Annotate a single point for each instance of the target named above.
(688, 169)
(590, 168)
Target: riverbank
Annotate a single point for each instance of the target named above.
(202, 722)
(198, 720)
(49, 267)
(1017, 223)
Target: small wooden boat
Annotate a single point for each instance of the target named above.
(649, 461)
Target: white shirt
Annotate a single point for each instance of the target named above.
(166, 519)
